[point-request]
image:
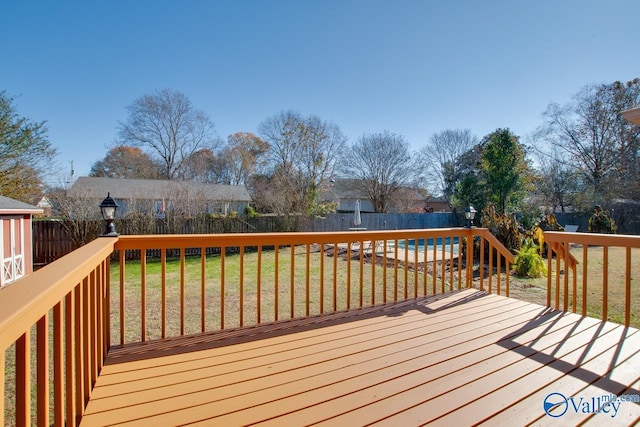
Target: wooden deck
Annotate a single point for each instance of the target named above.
(457, 360)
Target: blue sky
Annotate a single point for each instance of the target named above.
(409, 67)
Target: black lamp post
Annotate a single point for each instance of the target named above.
(469, 214)
(108, 208)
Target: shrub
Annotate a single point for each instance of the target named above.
(601, 222)
(505, 228)
(528, 262)
(250, 212)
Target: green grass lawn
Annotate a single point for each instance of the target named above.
(535, 290)
(304, 291)
(310, 290)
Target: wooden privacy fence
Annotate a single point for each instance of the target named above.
(50, 241)
(55, 238)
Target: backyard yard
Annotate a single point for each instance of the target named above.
(312, 291)
(535, 290)
(252, 281)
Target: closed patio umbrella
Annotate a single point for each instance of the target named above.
(356, 214)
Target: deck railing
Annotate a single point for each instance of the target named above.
(583, 258)
(62, 309)
(260, 278)
(58, 324)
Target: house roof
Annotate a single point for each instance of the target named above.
(120, 188)
(346, 188)
(350, 188)
(11, 206)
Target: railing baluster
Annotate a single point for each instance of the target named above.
(43, 370)
(203, 288)
(292, 279)
(86, 343)
(435, 267)
(241, 285)
(361, 273)
(79, 345)
(425, 279)
(490, 267)
(443, 262)
(182, 291)
(23, 380)
(384, 272)
(2, 386)
(395, 270)
(406, 268)
(106, 308)
(566, 277)
(415, 270)
(373, 272)
(143, 295)
(58, 366)
(348, 275)
(276, 290)
(321, 278)
(100, 301)
(585, 249)
(335, 276)
(481, 268)
(223, 252)
(627, 288)
(605, 282)
(307, 279)
(558, 282)
(122, 296)
(163, 291)
(499, 267)
(93, 334)
(259, 286)
(70, 344)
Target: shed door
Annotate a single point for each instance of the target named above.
(12, 249)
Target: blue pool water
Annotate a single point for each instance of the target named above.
(411, 244)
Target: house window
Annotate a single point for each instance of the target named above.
(221, 208)
(159, 208)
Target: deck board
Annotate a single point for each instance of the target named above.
(463, 359)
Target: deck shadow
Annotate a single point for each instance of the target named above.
(216, 339)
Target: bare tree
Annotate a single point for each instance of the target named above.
(245, 155)
(169, 126)
(439, 160)
(306, 150)
(382, 164)
(557, 180)
(79, 214)
(599, 141)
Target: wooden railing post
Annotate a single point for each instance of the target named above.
(469, 255)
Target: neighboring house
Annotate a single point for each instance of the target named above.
(164, 196)
(45, 205)
(437, 204)
(16, 252)
(345, 192)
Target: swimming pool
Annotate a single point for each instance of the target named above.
(420, 247)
